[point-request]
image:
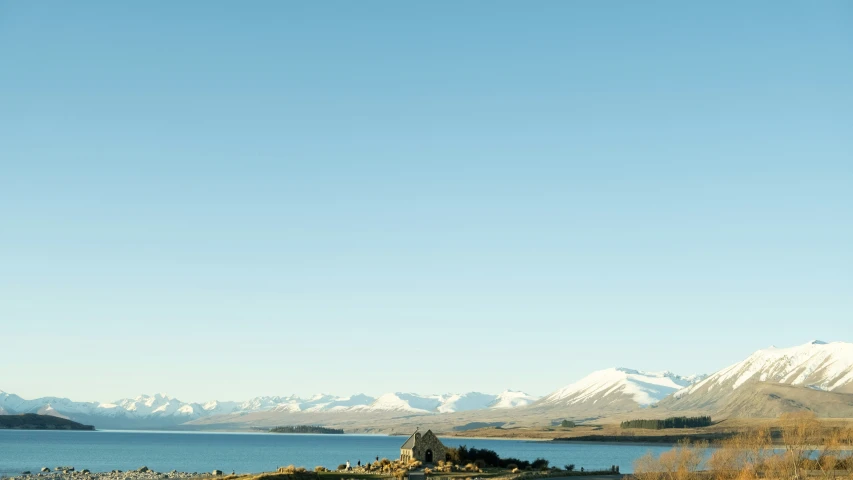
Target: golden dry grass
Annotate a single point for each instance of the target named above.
(796, 446)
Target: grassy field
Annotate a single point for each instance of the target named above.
(611, 432)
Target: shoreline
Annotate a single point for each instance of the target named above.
(518, 439)
(85, 474)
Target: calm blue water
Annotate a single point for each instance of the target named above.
(257, 452)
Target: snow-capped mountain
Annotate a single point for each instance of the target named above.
(409, 402)
(616, 389)
(815, 366)
(512, 399)
(322, 403)
(147, 411)
(817, 376)
(818, 365)
(13, 404)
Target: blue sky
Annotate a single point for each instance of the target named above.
(217, 200)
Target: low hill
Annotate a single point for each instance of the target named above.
(33, 421)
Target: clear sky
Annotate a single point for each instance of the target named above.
(231, 199)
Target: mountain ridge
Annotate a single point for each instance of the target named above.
(816, 375)
(817, 366)
(163, 411)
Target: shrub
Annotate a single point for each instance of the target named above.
(570, 467)
(515, 470)
(342, 466)
(539, 464)
(470, 467)
(290, 469)
(427, 471)
(512, 466)
(480, 463)
(567, 424)
(320, 469)
(300, 470)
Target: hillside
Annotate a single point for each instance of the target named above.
(32, 421)
(816, 376)
(769, 400)
(611, 390)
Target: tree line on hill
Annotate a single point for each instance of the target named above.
(671, 422)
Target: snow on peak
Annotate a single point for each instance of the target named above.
(465, 402)
(644, 388)
(816, 364)
(512, 399)
(404, 402)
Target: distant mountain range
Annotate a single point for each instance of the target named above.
(160, 411)
(815, 376)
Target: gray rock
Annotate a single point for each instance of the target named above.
(26, 472)
(142, 469)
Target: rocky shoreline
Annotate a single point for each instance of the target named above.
(143, 473)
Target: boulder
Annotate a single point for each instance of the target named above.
(25, 472)
(45, 469)
(142, 469)
(85, 470)
(217, 472)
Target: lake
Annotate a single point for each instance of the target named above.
(106, 450)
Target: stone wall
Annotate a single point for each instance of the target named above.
(427, 441)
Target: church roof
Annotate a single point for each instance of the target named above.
(412, 441)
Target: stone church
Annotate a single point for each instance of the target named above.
(426, 448)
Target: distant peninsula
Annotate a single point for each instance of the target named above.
(306, 429)
(33, 421)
